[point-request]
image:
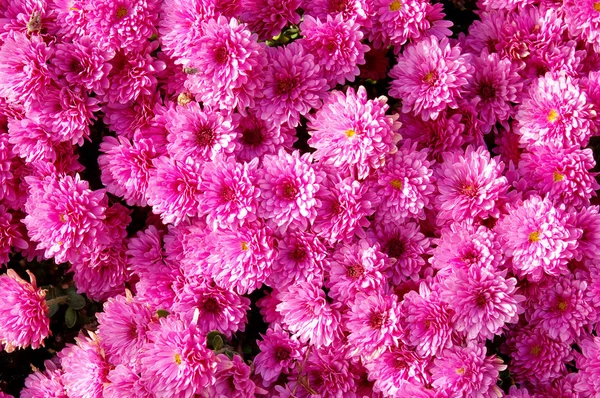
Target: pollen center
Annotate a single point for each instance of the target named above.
(350, 133)
(178, 359)
(396, 184)
(460, 371)
(562, 306)
(597, 6)
(63, 218)
(245, 246)
(534, 236)
(355, 271)
(121, 12)
(535, 350)
(377, 320)
(553, 116)
(558, 177)
(430, 77)
(395, 5)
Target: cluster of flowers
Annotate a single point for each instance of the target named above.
(389, 259)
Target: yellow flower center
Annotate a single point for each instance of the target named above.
(535, 350)
(178, 359)
(121, 12)
(553, 116)
(395, 5)
(350, 133)
(396, 184)
(558, 177)
(460, 371)
(562, 306)
(597, 6)
(534, 236)
(63, 218)
(245, 246)
(429, 77)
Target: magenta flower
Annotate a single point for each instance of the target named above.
(32, 139)
(268, 17)
(123, 382)
(293, 85)
(395, 22)
(232, 378)
(429, 76)
(278, 354)
(348, 9)
(10, 236)
(588, 220)
(24, 318)
(329, 373)
(583, 20)
(47, 384)
(257, 137)
(588, 364)
(137, 119)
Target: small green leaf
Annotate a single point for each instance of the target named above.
(162, 313)
(53, 309)
(76, 301)
(247, 350)
(70, 317)
(217, 343)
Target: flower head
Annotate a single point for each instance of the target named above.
(48, 383)
(278, 354)
(268, 17)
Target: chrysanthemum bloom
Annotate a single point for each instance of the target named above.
(229, 192)
(25, 72)
(10, 236)
(176, 362)
(83, 62)
(328, 373)
(345, 206)
(122, 329)
(24, 318)
(555, 111)
(144, 250)
(464, 245)
(357, 10)
(30, 17)
(561, 309)
(232, 378)
(174, 189)
(538, 238)
(307, 314)
(228, 65)
(373, 322)
(85, 368)
(278, 354)
(159, 287)
(300, 257)
(469, 185)
(588, 366)
(397, 366)
(32, 139)
(335, 44)
(47, 384)
(404, 185)
(65, 217)
(353, 133)
(467, 371)
(495, 84)
(136, 118)
(395, 22)
(123, 382)
(583, 20)
(122, 24)
(288, 185)
(405, 246)
(268, 307)
(125, 167)
(588, 220)
(268, 17)
(71, 18)
(293, 85)
(356, 268)
(429, 76)
(257, 137)
(199, 134)
(218, 308)
(483, 301)
(535, 357)
(240, 259)
(561, 172)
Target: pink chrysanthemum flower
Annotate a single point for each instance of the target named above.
(494, 86)
(536, 237)
(535, 357)
(396, 367)
(353, 133)
(10, 236)
(373, 322)
(278, 354)
(464, 245)
(144, 250)
(160, 286)
(122, 23)
(122, 329)
(136, 119)
(427, 321)
(30, 17)
(32, 139)
(229, 192)
(356, 268)
(176, 361)
(125, 168)
(583, 20)
(469, 185)
(240, 259)
(268, 307)
(228, 65)
(466, 371)
(25, 71)
(345, 206)
(404, 185)
(507, 145)
(300, 257)
(48, 384)
(555, 111)
(561, 309)
(588, 220)
(71, 18)
(24, 318)
(405, 246)
(123, 382)
(174, 189)
(268, 17)
(293, 85)
(328, 373)
(199, 134)
(588, 365)
(483, 301)
(335, 44)
(562, 173)
(307, 314)
(83, 62)
(429, 76)
(218, 308)
(358, 10)
(65, 217)
(257, 137)
(395, 22)
(288, 186)
(232, 378)
(85, 368)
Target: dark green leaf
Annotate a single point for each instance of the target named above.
(217, 343)
(76, 301)
(52, 310)
(70, 317)
(162, 313)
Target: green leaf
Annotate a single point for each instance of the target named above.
(162, 313)
(53, 309)
(70, 317)
(76, 301)
(247, 350)
(217, 343)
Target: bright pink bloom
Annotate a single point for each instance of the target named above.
(583, 20)
(10, 236)
(395, 22)
(123, 382)
(278, 354)
(588, 365)
(588, 220)
(268, 17)
(329, 373)
(257, 137)
(232, 378)
(48, 384)
(358, 10)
